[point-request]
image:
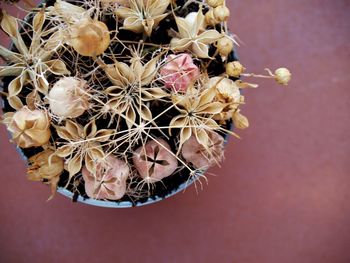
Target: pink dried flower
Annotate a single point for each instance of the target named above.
(109, 180)
(179, 72)
(203, 157)
(155, 161)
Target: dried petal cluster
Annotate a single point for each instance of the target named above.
(119, 100)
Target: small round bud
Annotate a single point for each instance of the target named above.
(215, 3)
(210, 18)
(283, 76)
(240, 121)
(234, 69)
(68, 98)
(89, 37)
(225, 46)
(221, 13)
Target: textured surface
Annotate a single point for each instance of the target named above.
(281, 196)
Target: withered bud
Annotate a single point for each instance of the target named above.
(30, 128)
(45, 165)
(283, 76)
(68, 97)
(215, 3)
(240, 121)
(221, 13)
(210, 18)
(225, 46)
(234, 69)
(89, 37)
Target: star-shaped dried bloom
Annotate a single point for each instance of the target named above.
(81, 143)
(196, 111)
(190, 35)
(143, 15)
(31, 63)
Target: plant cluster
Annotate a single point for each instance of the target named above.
(111, 98)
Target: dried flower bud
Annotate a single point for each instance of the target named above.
(89, 37)
(227, 89)
(45, 165)
(221, 13)
(225, 46)
(283, 76)
(210, 18)
(203, 157)
(234, 69)
(240, 121)
(155, 161)
(109, 181)
(215, 3)
(30, 128)
(68, 98)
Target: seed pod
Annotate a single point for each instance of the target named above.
(215, 3)
(234, 69)
(45, 165)
(240, 121)
(210, 18)
(283, 76)
(68, 98)
(221, 13)
(30, 128)
(225, 46)
(89, 37)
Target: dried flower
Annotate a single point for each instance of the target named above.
(234, 69)
(29, 64)
(46, 166)
(240, 121)
(68, 97)
(225, 46)
(190, 37)
(143, 15)
(203, 157)
(283, 76)
(179, 72)
(29, 128)
(109, 180)
(210, 18)
(89, 37)
(221, 13)
(196, 110)
(81, 144)
(155, 161)
(227, 89)
(215, 3)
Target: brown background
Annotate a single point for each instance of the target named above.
(283, 194)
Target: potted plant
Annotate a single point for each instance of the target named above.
(123, 103)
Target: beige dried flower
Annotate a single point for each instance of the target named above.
(196, 111)
(143, 15)
(46, 166)
(154, 161)
(225, 46)
(68, 98)
(109, 180)
(283, 76)
(221, 13)
(29, 128)
(190, 36)
(210, 18)
(215, 3)
(29, 64)
(89, 37)
(204, 157)
(234, 69)
(81, 143)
